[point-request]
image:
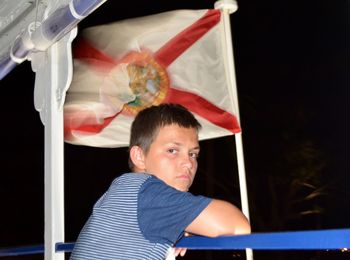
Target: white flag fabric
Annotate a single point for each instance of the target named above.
(123, 67)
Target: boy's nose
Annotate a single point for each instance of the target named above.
(187, 161)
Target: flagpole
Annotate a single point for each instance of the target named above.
(227, 7)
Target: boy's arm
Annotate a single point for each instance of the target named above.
(219, 218)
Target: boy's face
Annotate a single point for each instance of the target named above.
(172, 157)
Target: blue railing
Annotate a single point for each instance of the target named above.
(331, 239)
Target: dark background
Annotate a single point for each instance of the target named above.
(292, 69)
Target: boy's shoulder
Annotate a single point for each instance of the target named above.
(131, 179)
(134, 175)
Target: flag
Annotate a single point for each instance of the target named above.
(122, 67)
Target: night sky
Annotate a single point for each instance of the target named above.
(292, 63)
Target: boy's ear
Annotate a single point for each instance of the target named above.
(138, 158)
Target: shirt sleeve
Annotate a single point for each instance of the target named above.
(164, 212)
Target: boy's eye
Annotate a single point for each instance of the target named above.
(194, 155)
(172, 151)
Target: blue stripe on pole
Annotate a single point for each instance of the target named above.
(64, 247)
(330, 239)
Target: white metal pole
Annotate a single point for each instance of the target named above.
(227, 7)
(53, 76)
(54, 69)
(52, 63)
(54, 172)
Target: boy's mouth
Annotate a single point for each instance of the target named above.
(184, 176)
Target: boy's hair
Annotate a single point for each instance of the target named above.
(148, 121)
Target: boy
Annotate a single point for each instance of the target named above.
(145, 212)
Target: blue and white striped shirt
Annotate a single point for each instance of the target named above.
(139, 217)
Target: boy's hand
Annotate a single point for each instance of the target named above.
(180, 251)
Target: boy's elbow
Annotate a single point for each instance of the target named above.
(240, 229)
(230, 230)
(243, 229)
(235, 224)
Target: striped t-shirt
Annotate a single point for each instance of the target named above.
(139, 217)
